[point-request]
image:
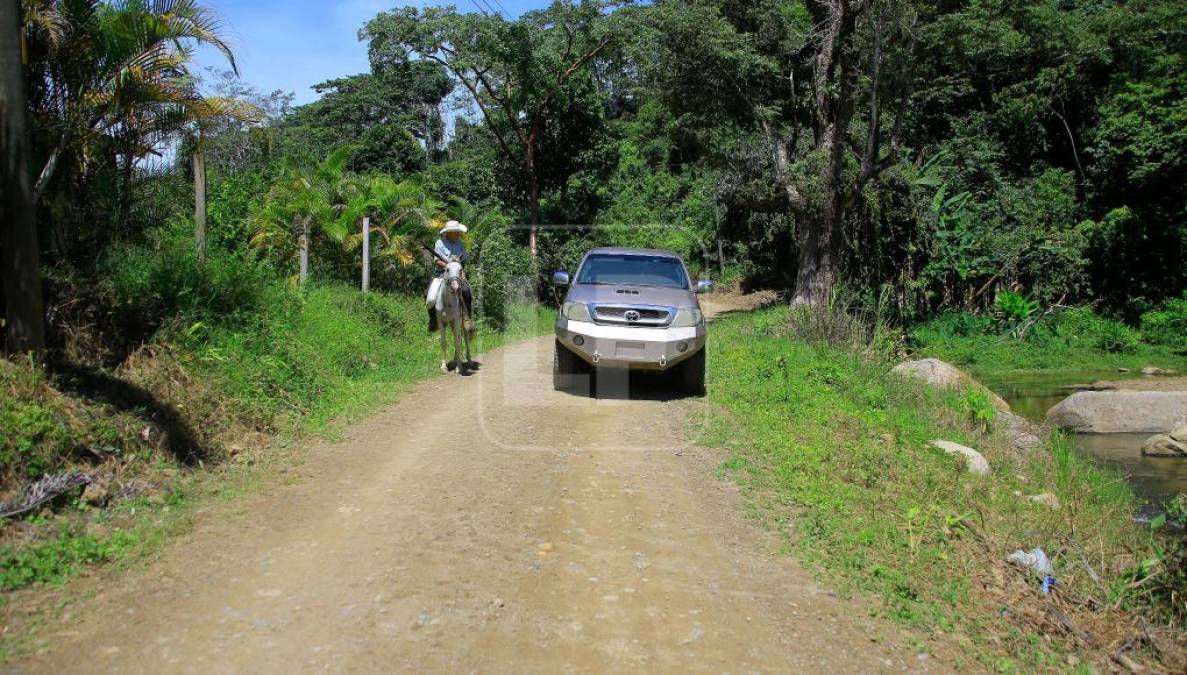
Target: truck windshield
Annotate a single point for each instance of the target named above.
(633, 270)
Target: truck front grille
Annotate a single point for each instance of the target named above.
(633, 315)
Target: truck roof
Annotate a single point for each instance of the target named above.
(621, 250)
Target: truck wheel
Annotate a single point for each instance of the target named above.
(692, 374)
(567, 368)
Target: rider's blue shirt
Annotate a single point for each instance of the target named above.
(448, 249)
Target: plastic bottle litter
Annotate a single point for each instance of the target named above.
(1036, 561)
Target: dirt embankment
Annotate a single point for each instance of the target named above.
(482, 524)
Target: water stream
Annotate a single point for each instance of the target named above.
(1157, 479)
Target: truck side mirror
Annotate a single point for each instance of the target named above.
(560, 278)
(704, 286)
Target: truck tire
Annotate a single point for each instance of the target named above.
(568, 370)
(691, 375)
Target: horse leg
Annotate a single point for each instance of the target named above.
(457, 343)
(466, 337)
(444, 367)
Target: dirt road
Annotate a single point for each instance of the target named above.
(483, 524)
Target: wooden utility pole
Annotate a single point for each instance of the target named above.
(200, 202)
(366, 254)
(20, 264)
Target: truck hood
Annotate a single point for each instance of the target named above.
(631, 295)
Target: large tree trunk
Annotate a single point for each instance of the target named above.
(820, 236)
(818, 270)
(200, 202)
(20, 265)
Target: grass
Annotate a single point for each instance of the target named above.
(835, 450)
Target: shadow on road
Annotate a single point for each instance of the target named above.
(622, 385)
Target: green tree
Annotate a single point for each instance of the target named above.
(516, 72)
(392, 118)
(304, 201)
(108, 82)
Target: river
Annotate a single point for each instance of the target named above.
(1030, 394)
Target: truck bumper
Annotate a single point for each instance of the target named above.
(630, 347)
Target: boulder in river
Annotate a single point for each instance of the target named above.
(1122, 411)
(946, 376)
(1163, 445)
(974, 461)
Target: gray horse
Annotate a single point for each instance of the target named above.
(454, 301)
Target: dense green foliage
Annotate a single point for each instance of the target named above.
(1036, 150)
(1075, 339)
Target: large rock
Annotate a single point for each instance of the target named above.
(1162, 445)
(974, 461)
(1179, 434)
(1105, 412)
(1023, 436)
(946, 376)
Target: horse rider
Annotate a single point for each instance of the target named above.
(449, 246)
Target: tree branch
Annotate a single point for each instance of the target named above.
(482, 108)
(584, 59)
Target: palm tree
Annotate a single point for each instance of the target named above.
(303, 199)
(400, 213)
(477, 217)
(196, 115)
(113, 72)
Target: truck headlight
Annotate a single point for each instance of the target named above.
(576, 311)
(687, 317)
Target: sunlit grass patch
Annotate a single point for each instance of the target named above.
(841, 448)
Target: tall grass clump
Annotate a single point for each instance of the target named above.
(840, 323)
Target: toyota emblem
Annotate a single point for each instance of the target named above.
(631, 315)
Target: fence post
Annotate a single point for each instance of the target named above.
(304, 241)
(366, 254)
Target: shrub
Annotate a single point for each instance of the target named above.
(1083, 327)
(960, 324)
(153, 284)
(1014, 307)
(1167, 324)
(505, 272)
(1115, 337)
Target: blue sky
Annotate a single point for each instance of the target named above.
(294, 44)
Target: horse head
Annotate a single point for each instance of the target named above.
(453, 274)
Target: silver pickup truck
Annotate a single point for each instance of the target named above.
(630, 308)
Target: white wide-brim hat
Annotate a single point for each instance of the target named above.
(453, 226)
